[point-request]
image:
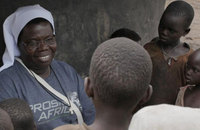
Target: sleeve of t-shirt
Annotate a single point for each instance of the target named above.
(7, 88)
(87, 105)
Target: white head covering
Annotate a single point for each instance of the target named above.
(14, 24)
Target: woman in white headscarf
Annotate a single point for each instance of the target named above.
(29, 71)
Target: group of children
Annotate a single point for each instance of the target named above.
(122, 72)
(112, 69)
(176, 68)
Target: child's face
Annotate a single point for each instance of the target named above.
(171, 28)
(193, 69)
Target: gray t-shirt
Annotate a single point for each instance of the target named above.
(49, 111)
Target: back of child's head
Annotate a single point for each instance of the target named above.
(120, 72)
(5, 121)
(124, 32)
(181, 8)
(20, 113)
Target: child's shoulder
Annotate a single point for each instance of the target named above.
(152, 46)
(153, 42)
(185, 49)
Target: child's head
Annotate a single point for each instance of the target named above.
(5, 121)
(120, 73)
(193, 68)
(124, 32)
(20, 113)
(175, 22)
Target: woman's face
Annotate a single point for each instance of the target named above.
(37, 45)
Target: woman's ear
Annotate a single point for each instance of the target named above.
(88, 88)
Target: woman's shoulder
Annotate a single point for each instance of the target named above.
(59, 63)
(63, 67)
(12, 70)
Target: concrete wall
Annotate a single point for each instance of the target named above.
(83, 24)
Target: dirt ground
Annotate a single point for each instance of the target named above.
(194, 36)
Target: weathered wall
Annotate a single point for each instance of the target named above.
(83, 24)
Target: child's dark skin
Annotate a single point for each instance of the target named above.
(171, 29)
(192, 94)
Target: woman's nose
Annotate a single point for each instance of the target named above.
(43, 45)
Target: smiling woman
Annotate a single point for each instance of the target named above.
(29, 35)
(37, 46)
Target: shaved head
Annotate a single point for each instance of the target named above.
(5, 121)
(20, 113)
(181, 9)
(120, 72)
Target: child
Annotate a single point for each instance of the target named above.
(124, 32)
(169, 54)
(120, 73)
(5, 121)
(20, 113)
(190, 95)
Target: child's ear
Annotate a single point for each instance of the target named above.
(88, 88)
(186, 31)
(147, 95)
(145, 98)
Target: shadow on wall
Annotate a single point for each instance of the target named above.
(82, 25)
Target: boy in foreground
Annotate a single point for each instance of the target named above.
(118, 83)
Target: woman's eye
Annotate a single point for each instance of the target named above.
(49, 39)
(32, 43)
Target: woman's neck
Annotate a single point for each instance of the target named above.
(44, 72)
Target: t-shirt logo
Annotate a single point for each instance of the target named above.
(53, 109)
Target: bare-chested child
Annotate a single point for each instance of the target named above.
(118, 83)
(169, 54)
(189, 95)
